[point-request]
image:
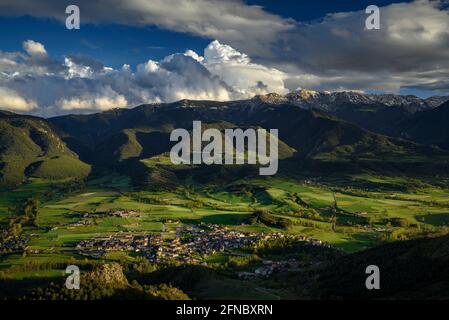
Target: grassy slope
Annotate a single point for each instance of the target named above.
(30, 148)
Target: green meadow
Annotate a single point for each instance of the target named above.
(365, 216)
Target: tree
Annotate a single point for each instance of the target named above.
(334, 222)
(334, 213)
(30, 210)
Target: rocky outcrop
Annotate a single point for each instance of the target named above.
(110, 274)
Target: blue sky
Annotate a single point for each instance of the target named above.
(111, 43)
(263, 46)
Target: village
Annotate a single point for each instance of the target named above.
(190, 244)
(112, 213)
(185, 244)
(269, 267)
(9, 244)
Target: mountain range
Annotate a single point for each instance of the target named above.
(353, 130)
(334, 101)
(408, 117)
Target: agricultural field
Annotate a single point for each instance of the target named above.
(348, 219)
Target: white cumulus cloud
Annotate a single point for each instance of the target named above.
(89, 103)
(12, 101)
(81, 84)
(238, 71)
(34, 48)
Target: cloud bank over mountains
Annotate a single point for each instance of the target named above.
(410, 51)
(34, 82)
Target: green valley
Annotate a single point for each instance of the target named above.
(100, 192)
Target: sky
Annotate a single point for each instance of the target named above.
(129, 52)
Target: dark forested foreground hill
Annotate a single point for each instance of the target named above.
(415, 269)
